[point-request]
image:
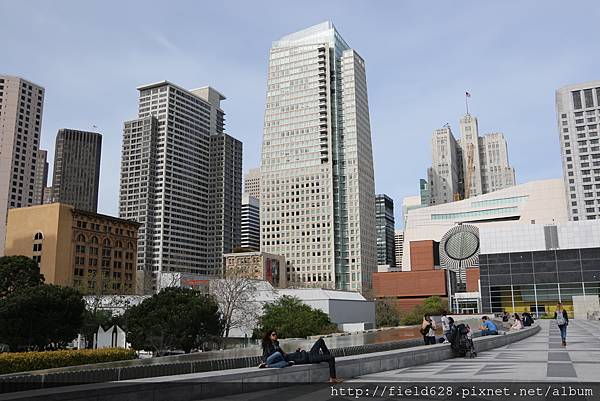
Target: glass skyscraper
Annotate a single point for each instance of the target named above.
(317, 188)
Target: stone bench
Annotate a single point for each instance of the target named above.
(194, 386)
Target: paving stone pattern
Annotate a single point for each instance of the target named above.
(538, 358)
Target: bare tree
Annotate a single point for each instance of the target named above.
(236, 295)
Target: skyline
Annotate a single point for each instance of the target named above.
(98, 86)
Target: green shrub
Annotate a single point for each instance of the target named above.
(13, 362)
(430, 306)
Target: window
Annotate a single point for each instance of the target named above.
(38, 236)
(576, 100)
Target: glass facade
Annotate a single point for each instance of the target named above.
(536, 281)
(502, 211)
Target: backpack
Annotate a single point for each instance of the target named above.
(425, 330)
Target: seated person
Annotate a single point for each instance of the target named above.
(518, 324)
(273, 356)
(487, 327)
(449, 334)
(318, 353)
(527, 319)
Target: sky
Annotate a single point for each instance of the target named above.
(420, 58)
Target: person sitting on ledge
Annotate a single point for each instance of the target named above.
(318, 353)
(273, 356)
(518, 324)
(487, 327)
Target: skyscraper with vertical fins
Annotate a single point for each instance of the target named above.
(317, 188)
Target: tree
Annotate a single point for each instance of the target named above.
(430, 306)
(18, 273)
(40, 315)
(292, 318)
(235, 295)
(385, 314)
(175, 318)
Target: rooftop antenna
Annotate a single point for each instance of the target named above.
(467, 96)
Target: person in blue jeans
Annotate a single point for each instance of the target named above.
(562, 320)
(273, 356)
(488, 327)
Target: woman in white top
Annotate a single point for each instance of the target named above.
(428, 330)
(518, 324)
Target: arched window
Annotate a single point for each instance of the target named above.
(129, 245)
(81, 238)
(94, 240)
(119, 244)
(106, 242)
(38, 236)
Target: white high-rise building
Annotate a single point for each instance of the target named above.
(472, 166)
(181, 178)
(443, 175)
(399, 247)
(250, 227)
(578, 114)
(252, 182)
(317, 188)
(21, 106)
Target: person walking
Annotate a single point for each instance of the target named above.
(428, 330)
(562, 320)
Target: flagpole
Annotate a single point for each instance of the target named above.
(467, 101)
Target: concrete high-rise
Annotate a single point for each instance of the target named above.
(76, 173)
(41, 177)
(384, 215)
(181, 178)
(225, 196)
(21, 107)
(578, 114)
(399, 247)
(317, 184)
(472, 166)
(250, 228)
(443, 175)
(252, 182)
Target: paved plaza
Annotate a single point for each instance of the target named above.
(538, 358)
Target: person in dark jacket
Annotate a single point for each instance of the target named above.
(527, 319)
(273, 356)
(562, 320)
(318, 353)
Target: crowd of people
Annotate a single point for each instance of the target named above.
(274, 357)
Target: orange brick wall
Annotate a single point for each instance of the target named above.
(421, 255)
(409, 284)
(472, 279)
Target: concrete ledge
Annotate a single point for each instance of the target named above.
(194, 386)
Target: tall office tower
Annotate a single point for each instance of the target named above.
(180, 178)
(76, 173)
(41, 177)
(47, 195)
(424, 192)
(578, 114)
(384, 214)
(471, 160)
(496, 173)
(21, 106)
(317, 186)
(399, 247)
(443, 176)
(252, 182)
(472, 166)
(225, 196)
(250, 230)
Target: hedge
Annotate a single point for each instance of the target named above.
(13, 362)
